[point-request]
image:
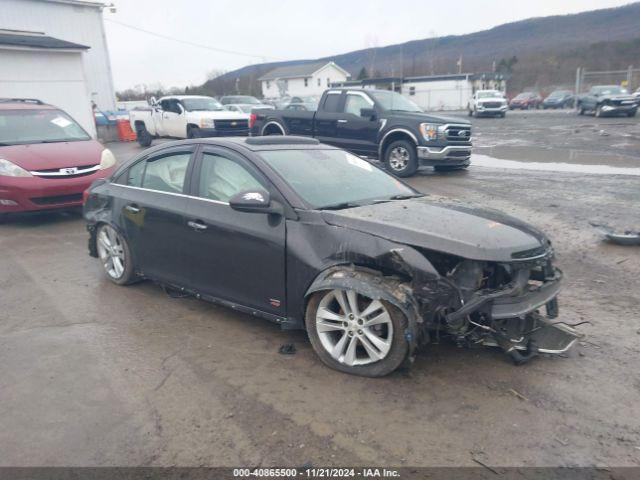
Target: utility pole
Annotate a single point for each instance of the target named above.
(578, 78)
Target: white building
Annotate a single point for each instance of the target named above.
(302, 80)
(56, 51)
(437, 92)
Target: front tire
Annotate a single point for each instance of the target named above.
(598, 111)
(193, 132)
(115, 255)
(401, 158)
(632, 113)
(356, 334)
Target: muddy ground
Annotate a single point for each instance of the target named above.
(96, 374)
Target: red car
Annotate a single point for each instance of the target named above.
(47, 160)
(525, 101)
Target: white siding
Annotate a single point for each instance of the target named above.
(73, 23)
(439, 94)
(296, 86)
(64, 85)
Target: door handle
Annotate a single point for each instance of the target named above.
(197, 225)
(342, 120)
(133, 208)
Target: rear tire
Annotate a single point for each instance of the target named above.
(144, 137)
(401, 158)
(115, 255)
(580, 110)
(327, 330)
(632, 113)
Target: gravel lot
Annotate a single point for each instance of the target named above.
(95, 374)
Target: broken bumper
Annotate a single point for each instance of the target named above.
(449, 155)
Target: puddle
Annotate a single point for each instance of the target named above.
(478, 160)
(531, 153)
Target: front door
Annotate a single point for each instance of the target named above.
(173, 119)
(234, 256)
(356, 132)
(153, 208)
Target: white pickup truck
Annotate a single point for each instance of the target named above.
(488, 102)
(186, 116)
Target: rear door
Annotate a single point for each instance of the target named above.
(326, 119)
(152, 212)
(234, 256)
(357, 133)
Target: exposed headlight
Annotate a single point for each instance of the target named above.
(429, 131)
(207, 123)
(9, 169)
(107, 160)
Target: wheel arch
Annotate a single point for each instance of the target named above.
(272, 124)
(394, 135)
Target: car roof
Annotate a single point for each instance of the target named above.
(253, 144)
(24, 104)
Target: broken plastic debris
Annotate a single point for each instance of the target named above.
(627, 238)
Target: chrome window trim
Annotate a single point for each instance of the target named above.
(171, 193)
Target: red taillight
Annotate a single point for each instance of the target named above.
(252, 120)
(85, 196)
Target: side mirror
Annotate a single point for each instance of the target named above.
(369, 113)
(153, 102)
(254, 201)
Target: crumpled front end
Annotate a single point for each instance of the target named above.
(512, 305)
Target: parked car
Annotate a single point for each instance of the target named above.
(525, 101)
(379, 124)
(245, 108)
(47, 160)
(608, 99)
(559, 99)
(228, 100)
(488, 102)
(313, 237)
(186, 116)
(636, 94)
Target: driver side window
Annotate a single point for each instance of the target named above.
(221, 178)
(354, 103)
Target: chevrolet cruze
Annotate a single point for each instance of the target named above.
(313, 237)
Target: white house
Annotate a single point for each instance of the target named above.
(56, 51)
(437, 92)
(302, 80)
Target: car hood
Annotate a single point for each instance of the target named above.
(618, 97)
(218, 115)
(38, 156)
(427, 117)
(457, 229)
(491, 100)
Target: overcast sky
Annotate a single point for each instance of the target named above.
(266, 30)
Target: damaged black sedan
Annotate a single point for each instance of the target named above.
(313, 237)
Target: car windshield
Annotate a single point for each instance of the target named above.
(524, 95)
(197, 104)
(246, 99)
(489, 94)
(557, 94)
(609, 90)
(19, 127)
(334, 178)
(395, 101)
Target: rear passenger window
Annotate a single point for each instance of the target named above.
(166, 173)
(331, 102)
(133, 176)
(222, 178)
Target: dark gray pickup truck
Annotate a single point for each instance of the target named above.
(379, 124)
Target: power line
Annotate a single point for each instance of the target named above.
(186, 42)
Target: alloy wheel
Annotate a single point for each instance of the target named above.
(111, 251)
(353, 328)
(399, 158)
